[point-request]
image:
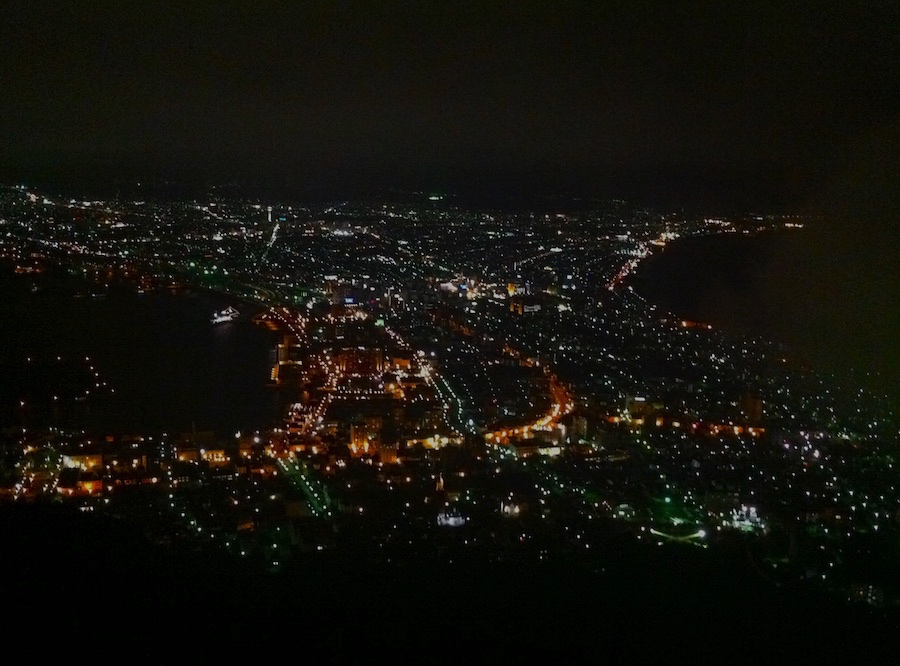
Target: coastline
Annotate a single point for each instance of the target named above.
(796, 288)
(169, 366)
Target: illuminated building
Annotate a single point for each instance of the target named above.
(360, 360)
(524, 304)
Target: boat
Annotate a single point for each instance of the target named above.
(228, 314)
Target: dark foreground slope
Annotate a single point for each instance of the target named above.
(90, 586)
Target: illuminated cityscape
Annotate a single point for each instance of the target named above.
(460, 385)
(472, 332)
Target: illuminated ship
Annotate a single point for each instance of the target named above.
(228, 314)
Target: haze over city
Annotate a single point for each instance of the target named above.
(740, 104)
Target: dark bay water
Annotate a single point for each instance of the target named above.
(831, 298)
(171, 369)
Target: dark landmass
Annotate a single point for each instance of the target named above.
(88, 582)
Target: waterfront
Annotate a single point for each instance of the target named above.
(482, 392)
(167, 368)
(830, 301)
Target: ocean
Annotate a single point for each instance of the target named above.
(832, 299)
(167, 368)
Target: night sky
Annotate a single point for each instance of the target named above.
(732, 104)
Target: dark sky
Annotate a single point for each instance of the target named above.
(760, 104)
